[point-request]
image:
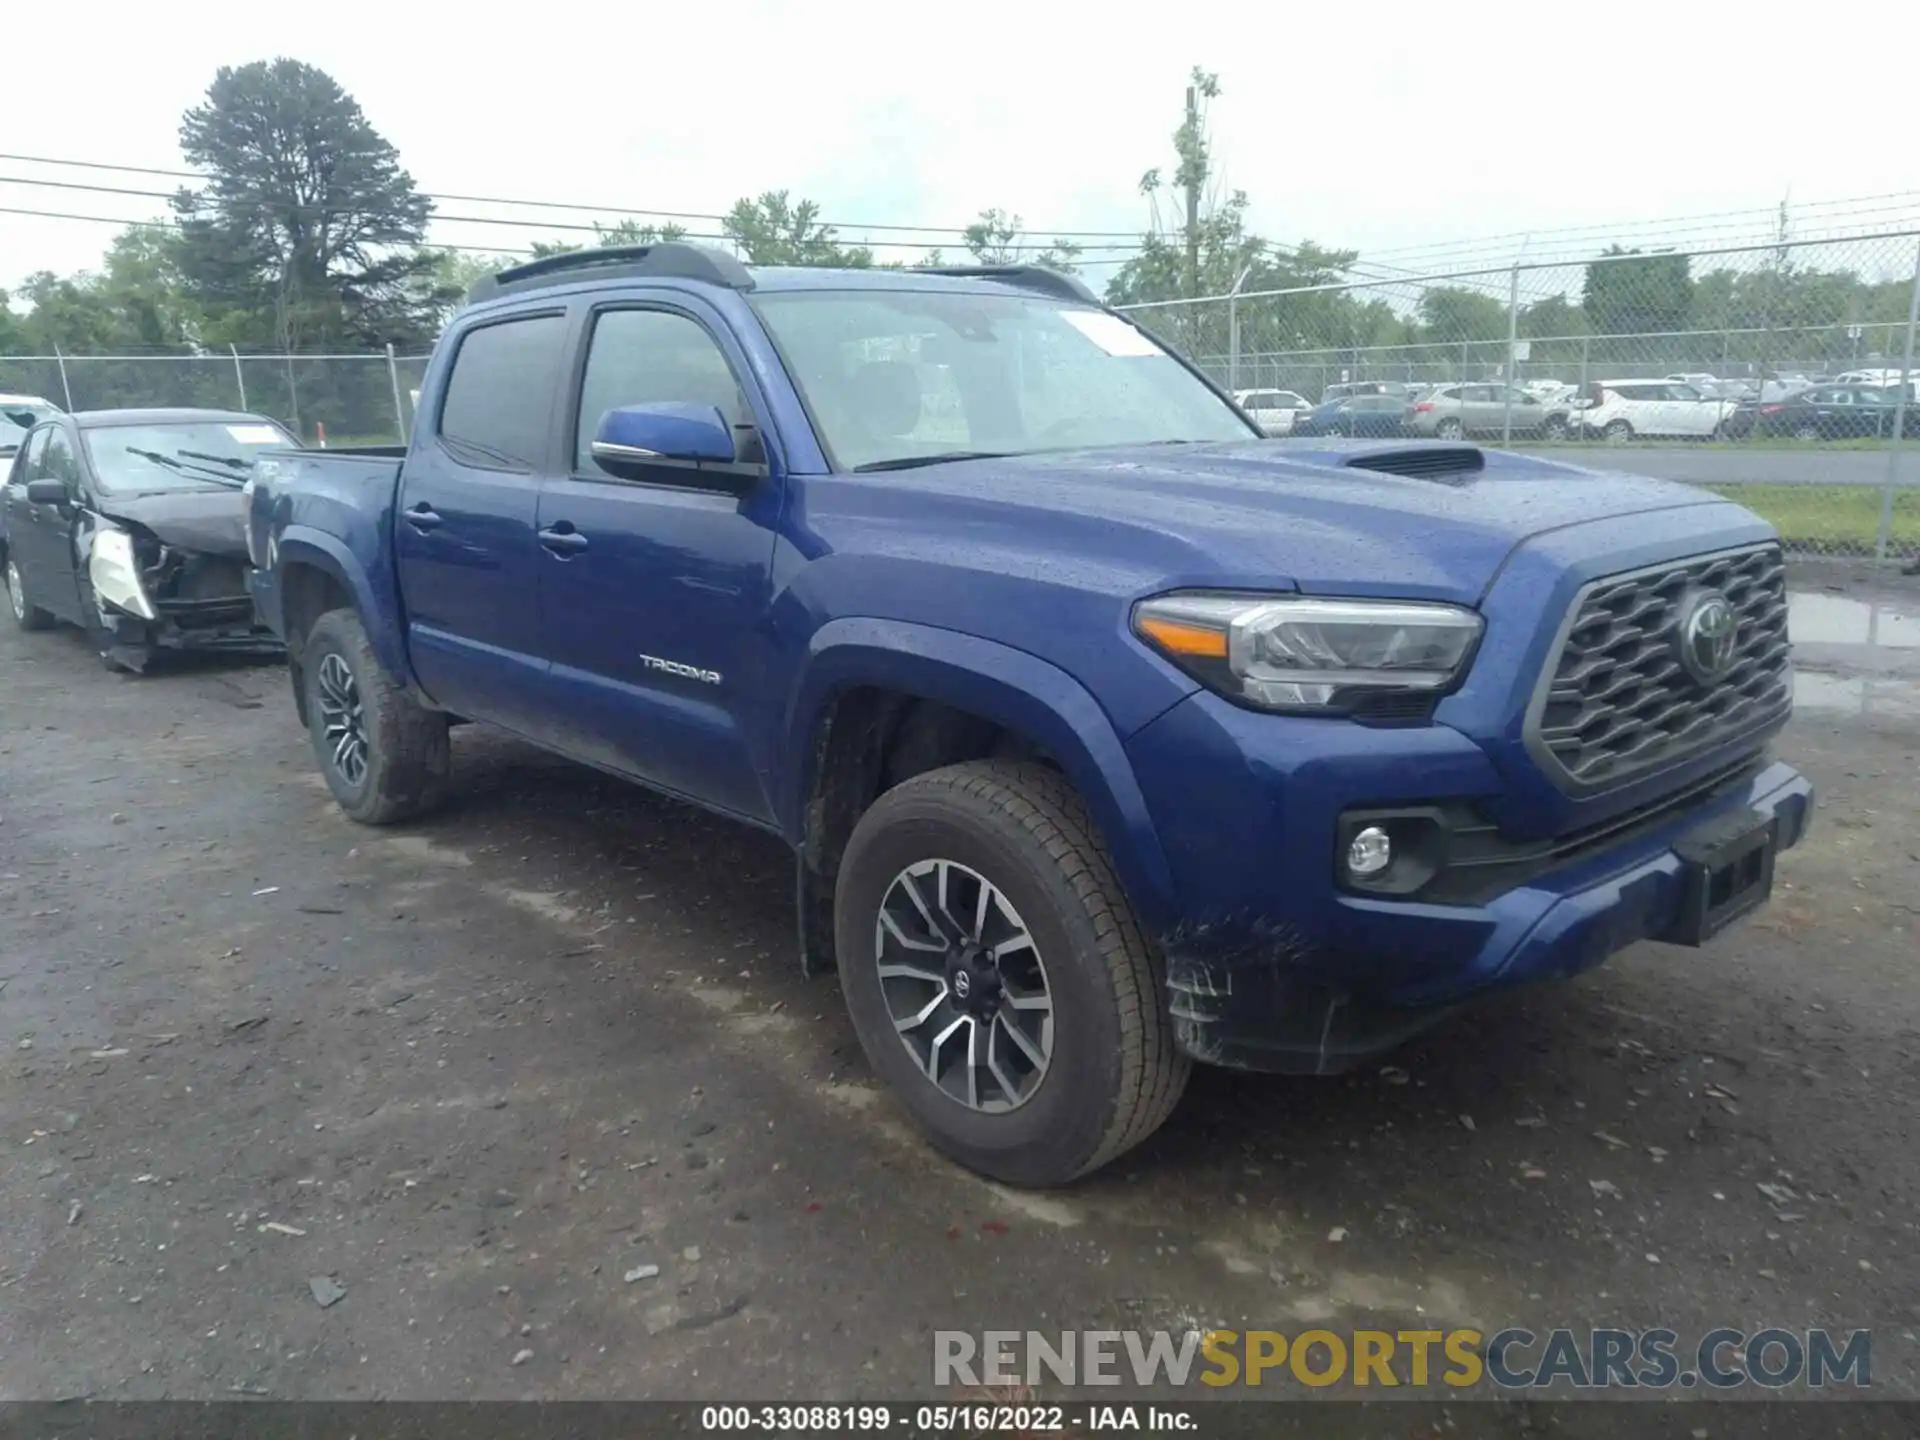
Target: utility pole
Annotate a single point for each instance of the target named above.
(1194, 178)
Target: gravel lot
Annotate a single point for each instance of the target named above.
(476, 1071)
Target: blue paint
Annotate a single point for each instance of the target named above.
(691, 627)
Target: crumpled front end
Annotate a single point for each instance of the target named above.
(152, 595)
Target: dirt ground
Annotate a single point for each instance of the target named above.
(476, 1071)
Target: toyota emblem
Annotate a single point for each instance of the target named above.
(1709, 629)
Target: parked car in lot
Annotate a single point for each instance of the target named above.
(128, 523)
(1273, 411)
(12, 433)
(19, 414)
(1107, 735)
(1826, 412)
(1375, 416)
(1665, 409)
(1452, 412)
(1346, 390)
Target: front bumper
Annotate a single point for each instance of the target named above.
(1273, 966)
(227, 623)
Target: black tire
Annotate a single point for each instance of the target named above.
(1115, 1073)
(1555, 429)
(407, 763)
(1450, 429)
(1618, 432)
(26, 614)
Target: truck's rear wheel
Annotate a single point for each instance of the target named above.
(996, 975)
(385, 757)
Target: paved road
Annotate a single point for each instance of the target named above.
(1708, 464)
(483, 1067)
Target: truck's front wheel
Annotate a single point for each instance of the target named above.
(997, 977)
(385, 757)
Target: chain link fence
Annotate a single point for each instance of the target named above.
(1781, 374)
(324, 399)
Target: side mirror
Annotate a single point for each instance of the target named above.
(47, 492)
(634, 437)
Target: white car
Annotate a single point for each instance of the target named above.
(1670, 409)
(19, 414)
(1273, 410)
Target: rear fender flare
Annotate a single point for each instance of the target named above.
(302, 545)
(1013, 689)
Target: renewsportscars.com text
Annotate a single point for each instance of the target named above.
(1508, 1359)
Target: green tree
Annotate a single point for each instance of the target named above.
(1649, 293)
(1554, 316)
(307, 232)
(1453, 313)
(997, 238)
(775, 230)
(621, 232)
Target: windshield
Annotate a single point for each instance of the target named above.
(894, 378)
(189, 455)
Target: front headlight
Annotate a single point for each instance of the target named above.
(246, 514)
(1310, 656)
(115, 574)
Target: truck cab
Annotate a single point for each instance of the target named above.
(1109, 735)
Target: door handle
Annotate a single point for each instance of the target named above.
(423, 517)
(563, 540)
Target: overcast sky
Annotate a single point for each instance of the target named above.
(1392, 129)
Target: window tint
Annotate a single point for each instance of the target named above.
(36, 453)
(500, 397)
(59, 463)
(646, 357)
(1263, 400)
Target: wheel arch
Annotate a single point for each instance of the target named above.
(874, 690)
(316, 573)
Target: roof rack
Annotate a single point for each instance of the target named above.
(1028, 277)
(672, 259)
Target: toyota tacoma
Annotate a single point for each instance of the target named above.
(1108, 734)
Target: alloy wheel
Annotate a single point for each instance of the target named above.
(964, 984)
(342, 720)
(16, 592)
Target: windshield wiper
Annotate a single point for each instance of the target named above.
(231, 461)
(914, 462)
(199, 472)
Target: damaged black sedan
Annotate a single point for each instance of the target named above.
(131, 524)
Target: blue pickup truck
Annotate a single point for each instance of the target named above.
(1108, 735)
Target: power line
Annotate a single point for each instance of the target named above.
(127, 222)
(1025, 247)
(622, 210)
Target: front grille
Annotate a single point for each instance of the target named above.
(1617, 702)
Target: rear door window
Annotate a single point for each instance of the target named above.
(498, 410)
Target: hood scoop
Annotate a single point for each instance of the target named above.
(1449, 464)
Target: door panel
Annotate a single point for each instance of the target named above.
(652, 625)
(26, 534)
(465, 519)
(54, 579)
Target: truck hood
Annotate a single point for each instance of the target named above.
(1316, 512)
(209, 522)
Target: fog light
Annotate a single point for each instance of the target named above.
(1371, 851)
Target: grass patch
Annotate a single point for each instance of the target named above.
(1833, 516)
